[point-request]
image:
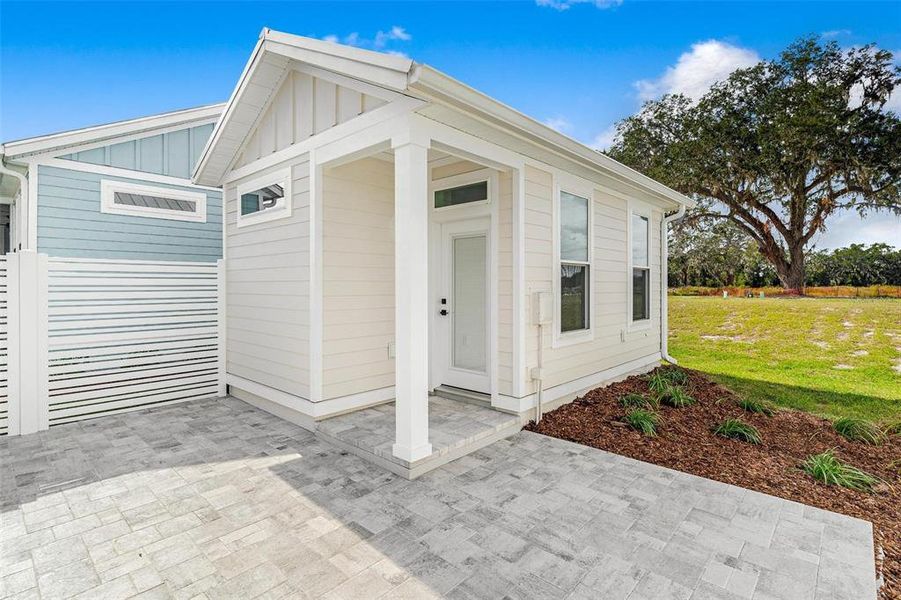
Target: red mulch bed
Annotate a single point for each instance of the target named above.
(685, 443)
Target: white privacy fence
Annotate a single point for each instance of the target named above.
(113, 336)
(4, 348)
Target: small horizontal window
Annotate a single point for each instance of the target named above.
(265, 199)
(142, 200)
(261, 199)
(464, 194)
(138, 200)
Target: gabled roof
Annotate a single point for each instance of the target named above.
(20, 149)
(275, 51)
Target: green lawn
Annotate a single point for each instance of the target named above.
(826, 356)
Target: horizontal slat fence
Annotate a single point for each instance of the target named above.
(127, 335)
(4, 346)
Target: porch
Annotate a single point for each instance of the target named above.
(456, 429)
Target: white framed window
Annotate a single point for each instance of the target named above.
(138, 200)
(265, 198)
(465, 190)
(639, 268)
(573, 222)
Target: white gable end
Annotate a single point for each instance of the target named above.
(303, 106)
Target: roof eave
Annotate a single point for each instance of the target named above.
(437, 85)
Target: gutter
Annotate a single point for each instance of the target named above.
(23, 194)
(664, 282)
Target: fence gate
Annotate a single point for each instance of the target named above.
(126, 335)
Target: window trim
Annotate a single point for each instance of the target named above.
(283, 205)
(583, 189)
(642, 210)
(108, 205)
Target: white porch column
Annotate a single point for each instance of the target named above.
(411, 298)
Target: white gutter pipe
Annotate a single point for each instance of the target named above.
(23, 195)
(664, 282)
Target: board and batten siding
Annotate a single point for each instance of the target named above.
(268, 291)
(302, 107)
(358, 277)
(614, 343)
(71, 225)
(173, 153)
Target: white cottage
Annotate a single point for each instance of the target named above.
(392, 235)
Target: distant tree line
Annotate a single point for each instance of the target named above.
(728, 259)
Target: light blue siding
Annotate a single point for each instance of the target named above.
(70, 223)
(174, 153)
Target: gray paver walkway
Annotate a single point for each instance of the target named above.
(216, 499)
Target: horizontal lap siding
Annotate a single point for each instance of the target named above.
(70, 224)
(358, 277)
(609, 277)
(268, 293)
(5, 285)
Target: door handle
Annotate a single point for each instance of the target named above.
(443, 312)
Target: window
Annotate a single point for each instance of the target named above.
(264, 199)
(464, 194)
(641, 269)
(122, 198)
(575, 270)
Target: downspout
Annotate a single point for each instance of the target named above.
(23, 197)
(664, 282)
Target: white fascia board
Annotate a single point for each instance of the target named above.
(199, 175)
(437, 86)
(374, 68)
(57, 142)
(388, 62)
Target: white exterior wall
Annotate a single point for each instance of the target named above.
(358, 277)
(614, 342)
(268, 291)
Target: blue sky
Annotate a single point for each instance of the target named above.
(578, 66)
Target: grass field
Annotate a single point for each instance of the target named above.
(830, 357)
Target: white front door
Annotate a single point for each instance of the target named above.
(463, 305)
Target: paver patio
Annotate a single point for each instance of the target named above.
(216, 499)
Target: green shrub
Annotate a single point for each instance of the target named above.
(658, 383)
(644, 421)
(637, 401)
(756, 406)
(674, 375)
(858, 430)
(893, 428)
(737, 429)
(827, 469)
(676, 397)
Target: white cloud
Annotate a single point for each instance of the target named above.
(378, 42)
(395, 33)
(562, 5)
(604, 139)
(561, 124)
(834, 33)
(847, 227)
(698, 69)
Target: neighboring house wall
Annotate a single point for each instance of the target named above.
(615, 341)
(173, 153)
(71, 224)
(268, 291)
(358, 277)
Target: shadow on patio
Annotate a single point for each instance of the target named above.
(219, 498)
